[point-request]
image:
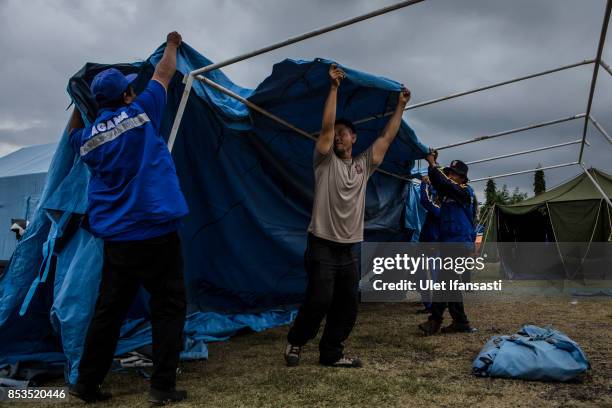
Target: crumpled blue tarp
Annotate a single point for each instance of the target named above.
(249, 186)
(533, 353)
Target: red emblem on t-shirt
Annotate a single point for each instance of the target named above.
(358, 169)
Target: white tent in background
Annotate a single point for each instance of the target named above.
(22, 179)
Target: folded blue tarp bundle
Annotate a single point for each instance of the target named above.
(533, 353)
(249, 185)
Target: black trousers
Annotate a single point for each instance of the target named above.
(453, 300)
(332, 291)
(156, 264)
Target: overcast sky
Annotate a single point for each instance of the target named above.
(435, 48)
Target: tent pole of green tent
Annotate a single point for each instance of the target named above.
(606, 66)
(596, 184)
(600, 129)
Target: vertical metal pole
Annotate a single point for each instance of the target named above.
(180, 111)
(596, 184)
(602, 40)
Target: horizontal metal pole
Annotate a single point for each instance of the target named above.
(253, 106)
(471, 91)
(512, 131)
(525, 171)
(498, 84)
(539, 149)
(601, 129)
(605, 66)
(306, 36)
(600, 47)
(596, 184)
(275, 118)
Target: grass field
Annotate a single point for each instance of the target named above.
(402, 368)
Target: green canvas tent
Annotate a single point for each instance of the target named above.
(572, 217)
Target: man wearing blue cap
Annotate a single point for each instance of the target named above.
(135, 205)
(457, 215)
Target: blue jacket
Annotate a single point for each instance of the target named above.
(431, 228)
(457, 210)
(134, 192)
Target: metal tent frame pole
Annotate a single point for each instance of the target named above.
(556, 166)
(602, 40)
(605, 66)
(179, 113)
(600, 129)
(512, 131)
(596, 184)
(475, 90)
(197, 74)
(498, 84)
(272, 116)
(189, 77)
(539, 149)
(305, 36)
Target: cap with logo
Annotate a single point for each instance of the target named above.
(458, 167)
(110, 84)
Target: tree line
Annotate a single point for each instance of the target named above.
(495, 196)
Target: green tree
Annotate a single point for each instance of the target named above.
(503, 196)
(498, 197)
(490, 193)
(490, 197)
(517, 196)
(539, 184)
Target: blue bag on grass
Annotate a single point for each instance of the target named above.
(533, 353)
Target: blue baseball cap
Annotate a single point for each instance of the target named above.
(110, 84)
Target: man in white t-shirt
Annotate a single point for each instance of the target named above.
(335, 227)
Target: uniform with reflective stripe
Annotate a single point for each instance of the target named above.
(134, 191)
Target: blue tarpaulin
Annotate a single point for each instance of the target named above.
(533, 353)
(249, 186)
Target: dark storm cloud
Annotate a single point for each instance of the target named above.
(436, 48)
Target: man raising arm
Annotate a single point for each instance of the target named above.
(382, 144)
(326, 137)
(135, 205)
(336, 226)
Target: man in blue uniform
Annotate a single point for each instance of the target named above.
(135, 205)
(429, 200)
(430, 233)
(457, 213)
